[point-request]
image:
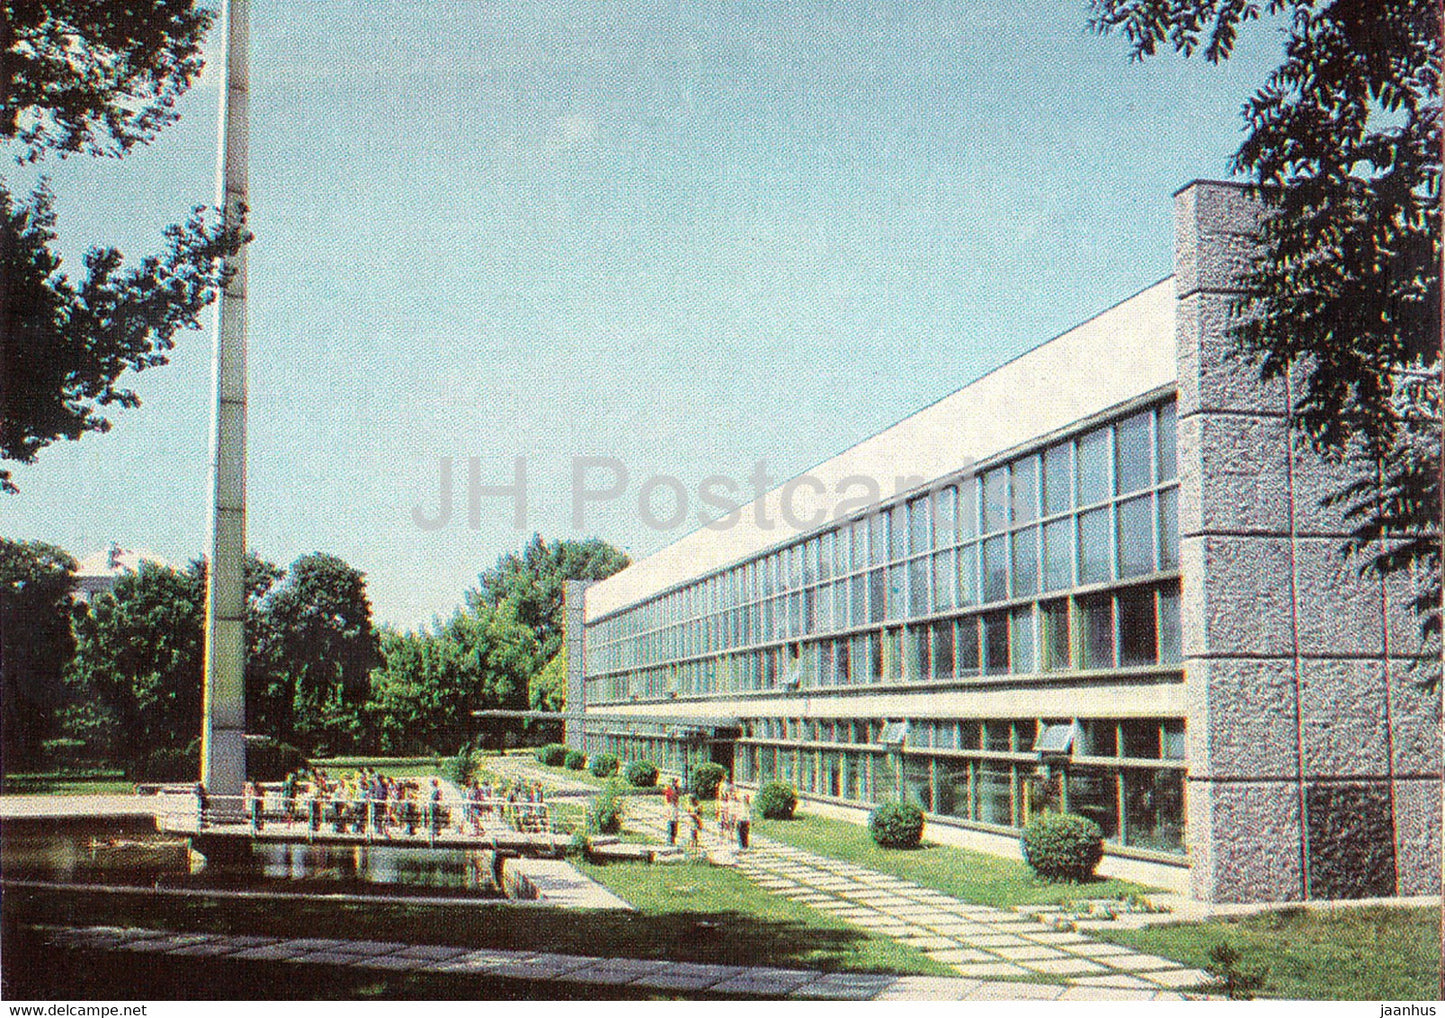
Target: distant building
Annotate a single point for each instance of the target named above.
(98, 573)
(1107, 585)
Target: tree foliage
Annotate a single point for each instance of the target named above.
(36, 581)
(95, 78)
(533, 581)
(1343, 299)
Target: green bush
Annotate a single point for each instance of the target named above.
(272, 761)
(896, 825)
(776, 801)
(603, 765)
(641, 774)
(460, 769)
(604, 815)
(575, 760)
(1062, 846)
(552, 754)
(166, 765)
(705, 779)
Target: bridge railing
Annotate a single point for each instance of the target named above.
(375, 819)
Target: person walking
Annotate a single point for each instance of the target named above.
(670, 798)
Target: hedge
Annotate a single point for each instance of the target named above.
(641, 774)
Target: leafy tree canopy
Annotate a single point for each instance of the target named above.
(1343, 145)
(97, 78)
(36, 582)
(533, 581)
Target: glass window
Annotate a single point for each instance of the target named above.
(995, 793)
(1093, 459)
(945, 581)
(840, 662)
(1098, 738)
(995, 643)
(893, 655)
(897, 591)
(1136, 628)
(953, 785)
(1096, 632)
(1169, 626)
(1141, 738)
(1168, 449)
(1154, 809)
(918, 661)
(1172, 733)
(1026, 490)
(1025, 562)
(1059, 554)
(995, 568)
(875, 656)
(966, 656)
(995, 500)
(1094, 793)
(1134, 453)
(920, 526)
(968, 507)
(860, 661)
(858, 540)
(918, 600)
(897, 533)
(878, 538)
(1059, 479)
(1021, 638)
(970, 734)
(968, 575)
(945, 517)
(918, 782)
(997, 737)
(1169, 529)
(943, 650)
(1096, 552)
(1054, 635)
(1136, 536)
(877, 595)
(827, 544)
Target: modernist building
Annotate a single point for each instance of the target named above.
(1105, 582)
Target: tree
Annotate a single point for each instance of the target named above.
(318, 646)
(534, 580)
(36, 644)
(548, 688)
(139, 653)
(96, 78)
(428, 684)
(1343, 147)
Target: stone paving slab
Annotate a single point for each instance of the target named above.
(686, 975)
(1103, 993)
(843, 986)
(1134, 962)
(432, 952)
(1062, 966)
(1017, 991)
(1177, 978)
(392, 962)
(766, 982)
(991, 970)
(616, 971)
(929, 988)
(1117, 980)
(1095, 949)
(541, 966)
(270, 952)
(482, 961)
(955, 955)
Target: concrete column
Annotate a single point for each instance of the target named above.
(1300, 782)
(574, 615)
(223, 749)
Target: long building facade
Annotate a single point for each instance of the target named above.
(1099, 578)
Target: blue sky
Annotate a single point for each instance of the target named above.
(690, 236)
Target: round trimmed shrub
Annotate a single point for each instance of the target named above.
(603, 765)
(896, 825)
(1063, 846)
(705, 779)
(641, 774)
(552, 754)
(575, 760)
(776, 801)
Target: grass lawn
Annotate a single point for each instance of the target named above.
(1342, 954)
(967, 875)
(96, 781)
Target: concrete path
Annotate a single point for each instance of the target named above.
(977, 941)
(659, 976)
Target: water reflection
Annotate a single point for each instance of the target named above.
(147, 858)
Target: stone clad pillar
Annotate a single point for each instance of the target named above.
(1310, 766)
(223, 748)
(574, 615)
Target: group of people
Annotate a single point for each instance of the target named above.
(734, 813)
(521, 805)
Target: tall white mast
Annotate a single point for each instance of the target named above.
(223, 747)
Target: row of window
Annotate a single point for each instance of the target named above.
(1128, 627)
(1099, 507)
(1134, 738)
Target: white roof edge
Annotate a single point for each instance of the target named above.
(1118, 355)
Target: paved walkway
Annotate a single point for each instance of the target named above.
(659, 976)
(977, 941)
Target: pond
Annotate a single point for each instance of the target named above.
(135, 854)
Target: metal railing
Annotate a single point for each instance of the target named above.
(385, 820)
